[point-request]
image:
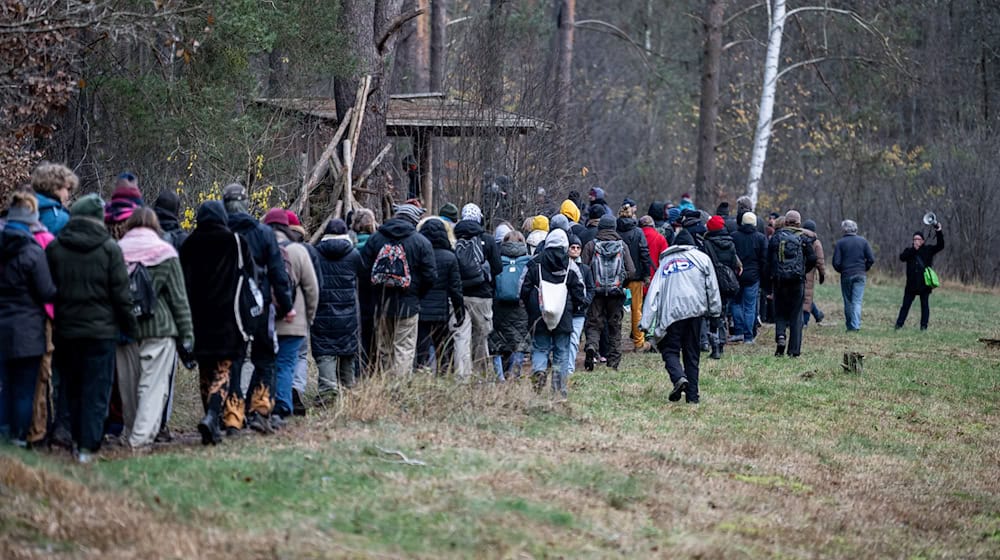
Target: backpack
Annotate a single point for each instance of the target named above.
(791, 263)
(472, 263)
(140, 287)
(249, 301)
(293, 279)
(552, 299)
(729, 284)
(509, 279)
(390, 269)
(608, 266)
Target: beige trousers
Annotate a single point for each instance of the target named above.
(144, 370)
(397, 344)
(462, 340)
(480, 312)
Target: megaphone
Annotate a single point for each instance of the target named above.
(930, 219)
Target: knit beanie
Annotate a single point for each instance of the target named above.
(607, 222)
(646, 221)
(88, 206)
(472, 212)
(449, 211)
(293, 219)
(809, 225)
(749, 219)
(234, 196)
(595, 212)
(409, 212)
(722, 209)
(574, 240)
(793, 218)
(336, 226)
(501, 232)
(540, 223)
(276, 216)
(673, 214)
(716, 223)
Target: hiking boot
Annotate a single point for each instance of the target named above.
(164, 435)
(588, 361)
(278, 422)
(61, 437)
(259, 423)
(209, 429)
(716, 352)
(298, 406)
(232, 432)
(780, 350)
(679, 388)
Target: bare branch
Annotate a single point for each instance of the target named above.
(740, 13)
(395, 26)
(817, 60)
(602, 26)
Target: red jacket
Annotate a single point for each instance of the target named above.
(657, 244)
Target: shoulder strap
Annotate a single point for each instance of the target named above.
(239, 252)
(920, 261)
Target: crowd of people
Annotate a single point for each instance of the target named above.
(100, 301)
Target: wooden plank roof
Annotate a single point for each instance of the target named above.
(434, 113)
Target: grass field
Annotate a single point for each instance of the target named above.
(783, 459)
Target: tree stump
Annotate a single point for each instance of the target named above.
(853, 362)
(991, 343)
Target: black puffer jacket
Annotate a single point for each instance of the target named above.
(590, 233)
(336, 329)
(554, 267)
(93, 299)
(25, 287)
(267, 257)
(637, 247)
(468, 229)
(751, 248)
(398, 302)
(510, 319)
(448, 285)
(723, 248)
(914, 271)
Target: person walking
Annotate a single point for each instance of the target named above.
(594, 214)
(301, 377)
(721, 250)
(610, 263)
(93, 311)
(146, 364)
(790, 258)
(551, 320)
(511, 337)
(399, 264)
(751, 248)
(852, 258)
(809, 307)
(479, 263)
(53, 183)
(918, 257)
(167, 207)
(634, 238)
(26, 287)
(214, 260)
(336, 332)
(656, 242)
(682, 293)
(580, 312)
(442, 304)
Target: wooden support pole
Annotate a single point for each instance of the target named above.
(425, 164)
(322, 165)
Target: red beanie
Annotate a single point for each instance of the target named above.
(715, 223)
(293, 220)
(276, 216)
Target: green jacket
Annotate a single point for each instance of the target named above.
(92, 299)
(172, 316)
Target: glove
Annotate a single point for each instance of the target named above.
(185, 352)
(459, 316)
(822, 277)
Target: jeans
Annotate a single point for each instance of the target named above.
(683, 338)
(814, 311)
(335, 373)
(284, 365)
(853, 290)
(574, 344)
(925, 309)
(556, 343)
(86, 368)
(17, 395)
(745, 310)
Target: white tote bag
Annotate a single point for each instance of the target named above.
(552, 299)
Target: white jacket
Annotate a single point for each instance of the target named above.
(684, 286)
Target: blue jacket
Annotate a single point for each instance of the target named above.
(852, 256)
(267, 257)
(336, 329)
(51, 213)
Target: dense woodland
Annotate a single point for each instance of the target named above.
(882, 110)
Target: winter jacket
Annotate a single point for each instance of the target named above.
(769, 280)
(267, 257)
(683, 287)
(172, 231)
(448, 284)
(658, 211)
(587, 255)
(590, 232)
(401, 302)
(720, 243)
(210, 263)
(336, 329)
(93, 299)
(172, 314)
(818, 272)
(468, 229)
(53, 215)
(306, 295)
(362, 239)
(629, 229)
(852, 256)
(25, 288)
(554, 267)
(657, 245)
(914, 271)
(751, 248)
(510, 318)
(588, 285)
(535, 238)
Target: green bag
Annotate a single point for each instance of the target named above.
(930, 277)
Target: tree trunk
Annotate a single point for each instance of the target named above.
(364, 23)
(566, 13)
(705, 186)
(439, 37)
(763, 133)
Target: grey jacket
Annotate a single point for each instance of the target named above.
(684, 286)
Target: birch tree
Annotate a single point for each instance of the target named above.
(762, 134)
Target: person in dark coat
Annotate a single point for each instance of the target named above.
(594, 214)
(93, 310)
(788, 290)
(730, 221)
(25, 288)
(606, 308)
(478, 291)
(720, 248)
(628, 228)
(433, 329)
(580, 313)
(554, 268)
(918, 257)
(852, 258)
(510, 338)
(336, 331)
(751, 248)
(397, 308)
(210, 259)
(596, 197)
(276, 287)
(167, 206)
(658, 211)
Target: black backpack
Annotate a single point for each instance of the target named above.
(472, 264)
(729, 284)
(140, 287)
(790, 263)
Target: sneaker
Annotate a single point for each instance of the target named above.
(84, 457)
(164, 435)
(679, 388)
(259, 423)
(278, 422)
(737, 338)
(232, 432)
(780, 350)
(602, 359)
(298, 406)
(748, 341)
(588, 361)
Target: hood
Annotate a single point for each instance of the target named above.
(555, 259)
(569, 209)
(540, 223)
(747, 228)
(608, 235)
(168, 203)
(436, 233)
(335, 249)
(83, 234)
(397, 228)
(656, 210)
(168, 221)
(467, 229)
(513, 249)
(241, 222)
(721, 239)
(45, 201)
(12, 241)
(597, 193)
(626, 225)
(211, 213)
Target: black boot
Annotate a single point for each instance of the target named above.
(716, 351)
(298, 407)
(588, 361)
(209, 429)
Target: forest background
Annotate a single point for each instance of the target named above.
(883, 110)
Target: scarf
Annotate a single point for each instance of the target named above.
(143, 245)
